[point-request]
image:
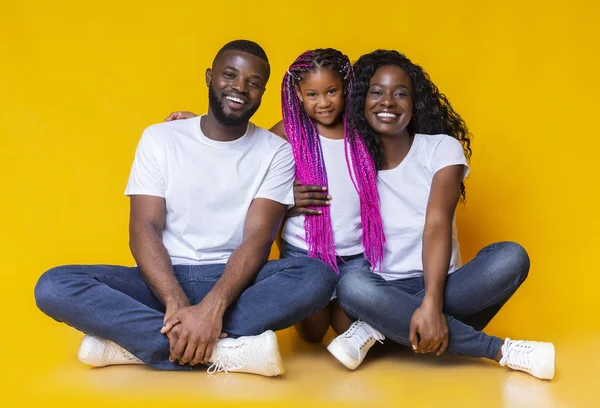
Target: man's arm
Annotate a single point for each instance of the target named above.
(201, 324)
(261, 227)
(146, 223)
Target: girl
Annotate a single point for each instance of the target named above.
(423, 298)
(336, 217)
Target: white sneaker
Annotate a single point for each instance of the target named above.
(535, 358)
(351, 347)
(99, 353)
(248, 354)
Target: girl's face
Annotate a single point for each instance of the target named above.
(322, 94)
(389, 102)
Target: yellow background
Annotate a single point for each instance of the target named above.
(80, 81)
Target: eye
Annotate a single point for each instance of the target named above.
(400, 94)
(332, 91)
(311, 94)
(376, 92)
(228, 75)
(254, 84)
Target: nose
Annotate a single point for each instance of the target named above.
(323, 102)
(387, 100)
(239, 84)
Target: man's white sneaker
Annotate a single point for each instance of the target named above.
(248, 354)
(535, 358)
(351, 347)
(99, 353)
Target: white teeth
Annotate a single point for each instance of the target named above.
(386, 115)
(234, 99)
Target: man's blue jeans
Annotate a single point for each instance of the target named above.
(114, 302)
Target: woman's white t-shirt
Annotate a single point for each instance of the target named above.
(404, 193)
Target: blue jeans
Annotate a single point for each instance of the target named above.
(115, 303)
(344, 263)
(473, 295)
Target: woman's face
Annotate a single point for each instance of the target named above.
(389, 102)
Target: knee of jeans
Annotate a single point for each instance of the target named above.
(318, 275)
(47, 290)
(515, 260)
(356, 290)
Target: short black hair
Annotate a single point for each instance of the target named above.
(247, 46)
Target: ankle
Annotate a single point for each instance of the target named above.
(499, 353)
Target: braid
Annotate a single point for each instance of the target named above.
(303, 135)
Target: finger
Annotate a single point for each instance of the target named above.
(180, 347)
(197, 357)
(173, 336)
(412, 337)
(222, 335)
(200, 352)
(424, 344)
(170, 323)
(434, 345)
(305, 188)
(189, 353)
(307, 211)
(443, 347)
(210, 347)
(172, 116)
(311, 195)
(311, 203)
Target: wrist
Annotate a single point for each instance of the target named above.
(176, 303)
(216, 303)
(433, 300)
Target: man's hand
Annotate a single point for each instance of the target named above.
(430, 323)
(180, 115)
(308, 196)
(197, 329)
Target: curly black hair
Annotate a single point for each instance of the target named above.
(432, 112)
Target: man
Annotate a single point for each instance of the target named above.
(207, 197)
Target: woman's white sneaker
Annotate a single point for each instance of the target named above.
(533, 357)
(351, 347)
(98, 352)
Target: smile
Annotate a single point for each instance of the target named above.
(235, 100)
(386, 115)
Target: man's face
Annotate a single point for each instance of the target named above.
(236, 84)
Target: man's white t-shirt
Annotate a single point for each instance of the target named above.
(208, 186)
(404, 193)
(344, 208)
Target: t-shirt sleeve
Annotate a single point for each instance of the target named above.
(278, 184)
(448, 152)
(147, 175)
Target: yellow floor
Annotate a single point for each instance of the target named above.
(390, 377)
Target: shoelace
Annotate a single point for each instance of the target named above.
(516, 354)
(227, 361)
(361, 338)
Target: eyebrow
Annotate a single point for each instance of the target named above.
(328, 88)
(398, 86)
(232, 68)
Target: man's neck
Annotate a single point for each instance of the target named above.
(214, 130)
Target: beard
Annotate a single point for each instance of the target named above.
(216, 106)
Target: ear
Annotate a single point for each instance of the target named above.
(298, 94)
(208, 76)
